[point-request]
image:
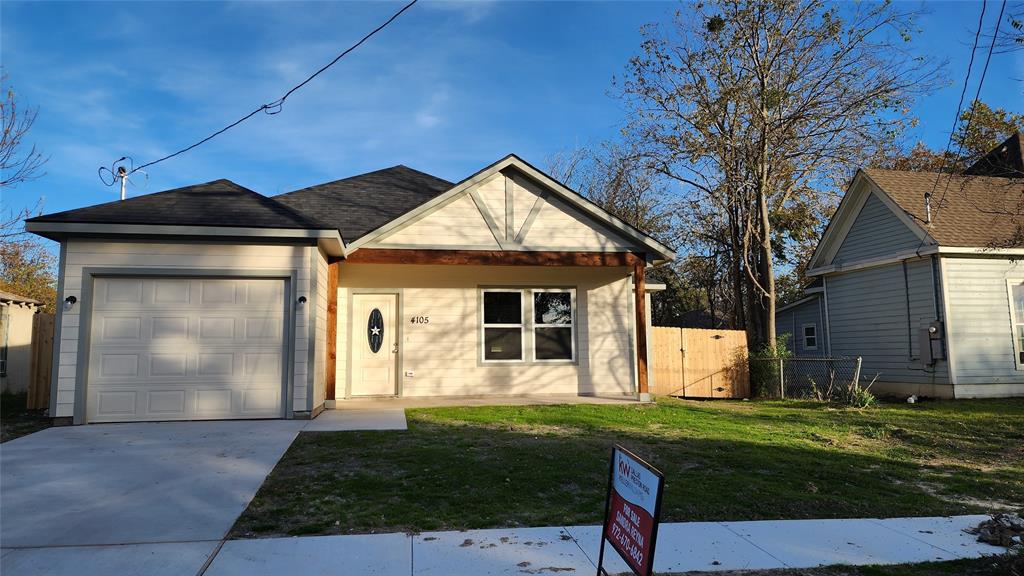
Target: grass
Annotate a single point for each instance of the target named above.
(17, 421)
(486, 467)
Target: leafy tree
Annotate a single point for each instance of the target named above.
(758, 109)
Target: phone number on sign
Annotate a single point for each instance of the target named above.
(627, 544)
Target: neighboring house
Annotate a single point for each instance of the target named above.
(212, 301)
(914, 274)
(16, 314)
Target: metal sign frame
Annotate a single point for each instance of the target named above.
(607, 509)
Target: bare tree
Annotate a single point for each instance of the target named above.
(17, 164)
(760, 108)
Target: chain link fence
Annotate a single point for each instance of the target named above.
(835, 379)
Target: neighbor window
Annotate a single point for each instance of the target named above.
(503, 325)
(1017, 322)
(541, 320)
(810, 337)
(553, 325)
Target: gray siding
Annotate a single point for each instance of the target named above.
(791, 322)
(980, 326)
(875, 232)
(868, 312)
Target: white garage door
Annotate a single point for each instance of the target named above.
(185, 349)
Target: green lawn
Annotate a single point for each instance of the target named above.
(16, 420)
(486, 467)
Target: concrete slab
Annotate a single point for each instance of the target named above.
(945, 533)
(809, 543)
(501, 552)
(135, 483)
(685, 547)
(345, 420)
(487, 400)
(356, 555)
(169, 559)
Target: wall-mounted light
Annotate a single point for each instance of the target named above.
(69, 302)
(302, 300)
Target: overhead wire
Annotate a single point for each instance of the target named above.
(270, 108)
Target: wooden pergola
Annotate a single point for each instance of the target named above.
(490, 258)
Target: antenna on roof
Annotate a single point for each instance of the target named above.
(927, 207)
(119, 171)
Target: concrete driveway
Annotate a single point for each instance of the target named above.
(170, 491)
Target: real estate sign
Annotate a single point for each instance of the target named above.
(632, 511)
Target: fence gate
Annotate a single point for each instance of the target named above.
(41, 362)
(699, 363)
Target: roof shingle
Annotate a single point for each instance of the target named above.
(217, 203)
(360, 204)
(973, 212)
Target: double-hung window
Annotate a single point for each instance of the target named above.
(503, 325)
(1016, 290)
(528, 325)
(810, 336)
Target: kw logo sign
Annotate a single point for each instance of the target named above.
(632, 511)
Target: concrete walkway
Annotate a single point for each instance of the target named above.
(682, 547)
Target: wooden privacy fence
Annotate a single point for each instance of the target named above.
(41, 362)
(699, 363)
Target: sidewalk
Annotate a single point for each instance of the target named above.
(682, 547)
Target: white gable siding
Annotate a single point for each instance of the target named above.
(867, 310)
(444, 354)
(462, 223)
(875, 232)
(187, 257)
(458, 224)
(979, 325)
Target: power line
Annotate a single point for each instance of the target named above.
(270, 108)
(974, 104)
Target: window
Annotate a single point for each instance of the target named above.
(810, 337)
(552, 325)
(503, 325)
(541, 320)
(1017, 322)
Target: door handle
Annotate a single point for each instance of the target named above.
(395, 349)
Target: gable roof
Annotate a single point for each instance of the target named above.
(967, 211)
(217, 203)
(360, 204)
(572, 198)
(14, 298)
(1005, 160)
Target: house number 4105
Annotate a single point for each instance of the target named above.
(420, 320)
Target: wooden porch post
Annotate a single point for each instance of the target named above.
(331, 365)
(640, 291)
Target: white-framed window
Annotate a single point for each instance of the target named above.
(503, 325)
(810, 336)
(554, 325)
(541, 320)
(1015, 290)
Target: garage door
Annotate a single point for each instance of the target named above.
(185, 349)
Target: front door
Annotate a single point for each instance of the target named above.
(374, 344)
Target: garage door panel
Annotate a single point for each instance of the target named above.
(163, 349)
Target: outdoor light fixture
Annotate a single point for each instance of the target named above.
(302, 300)
(69, 302)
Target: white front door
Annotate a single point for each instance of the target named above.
(374, 344)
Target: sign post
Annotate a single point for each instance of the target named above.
(632, 511)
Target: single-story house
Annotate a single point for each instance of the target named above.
(921, 275)
(212, 301)
(16, 315)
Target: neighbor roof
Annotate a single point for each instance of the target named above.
(12, 297)
(967, 211)
(359, 205)
(217, 203)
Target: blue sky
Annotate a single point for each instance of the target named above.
(449, 88)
